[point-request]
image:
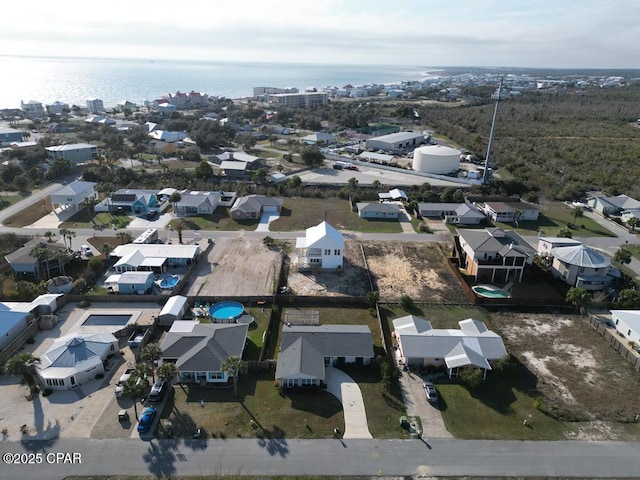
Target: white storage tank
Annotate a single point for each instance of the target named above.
(436, 159)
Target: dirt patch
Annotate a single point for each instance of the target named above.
(236, 267)
(414, 269)
(397, 268)
(350, 281)
(581, 378)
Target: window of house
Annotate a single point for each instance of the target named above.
(617, 321)
(336, 252)
(327, 251)
(628, 332)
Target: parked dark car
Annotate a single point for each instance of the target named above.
(146, 419)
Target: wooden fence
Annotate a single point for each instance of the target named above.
(619, 344)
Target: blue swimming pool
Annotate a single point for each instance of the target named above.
(489, 291)
(169, 282)
(226, 311)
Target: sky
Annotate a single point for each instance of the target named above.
(491, 33)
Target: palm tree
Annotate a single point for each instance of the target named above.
(71, 235)
(622, 256)
(42, 254)
(167, 371)
(234, 366)
(577, 213)
(180, 226)
(49, 235)
(136, 387)
(23, 364)
(578, 296)
(63, 234)
(633, 222)
(106, 249)
(62, 256)
(125, 237)
(174, 198)
(151, 353)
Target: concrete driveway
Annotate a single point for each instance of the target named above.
(416, 403)
(265, 220)
(345, 389)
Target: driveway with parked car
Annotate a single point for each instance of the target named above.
(420, 404)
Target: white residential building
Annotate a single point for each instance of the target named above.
(321, 247)
(32, 110)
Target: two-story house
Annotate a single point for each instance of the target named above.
(493, 254)
(321, 247)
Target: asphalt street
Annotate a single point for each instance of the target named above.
(332, 457)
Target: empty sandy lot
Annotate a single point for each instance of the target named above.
(236, 267)
(581, 377)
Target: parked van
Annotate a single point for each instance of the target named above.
(157, 391)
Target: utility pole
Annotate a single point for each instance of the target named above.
(485, 176)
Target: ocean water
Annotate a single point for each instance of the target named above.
(74, 80)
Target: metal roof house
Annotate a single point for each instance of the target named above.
(74, 152)
(322, 247)
(200, 350)
(73, 196)
(153, 257)
(173, 310)
(581, 266)
(627, 323)
(306, 349)
(75, 359)
(421, 345)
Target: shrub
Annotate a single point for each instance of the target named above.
(406, 302)
(539, 404)
(472, 377)
(96, 264)
(84, 304)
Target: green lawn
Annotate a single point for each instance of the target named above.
(219, 220)
(277, 416)
(553, 217)
(498, 408)
(84, 219)
(8, 200)
(299, 213)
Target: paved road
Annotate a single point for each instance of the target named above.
(332, 457)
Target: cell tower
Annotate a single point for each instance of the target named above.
(496, 96)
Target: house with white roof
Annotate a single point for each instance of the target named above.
(167, 136)
(394, 195)
(74, 152)
(75, 359)
(493, 254)
(321, 247)
(199, 350)
(319, 138)
(15, 317)
(173, 310)
(627, 323)
(73, 196)
(472, 346)
(306, 350)
(581, 266)
(546, 244)
(135, 283)
(197, 203)
(153, 257)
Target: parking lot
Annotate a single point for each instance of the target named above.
(366, 175)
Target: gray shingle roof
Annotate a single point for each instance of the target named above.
(206, 347)
(495, 240)
(301, 357)
(331, 340)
